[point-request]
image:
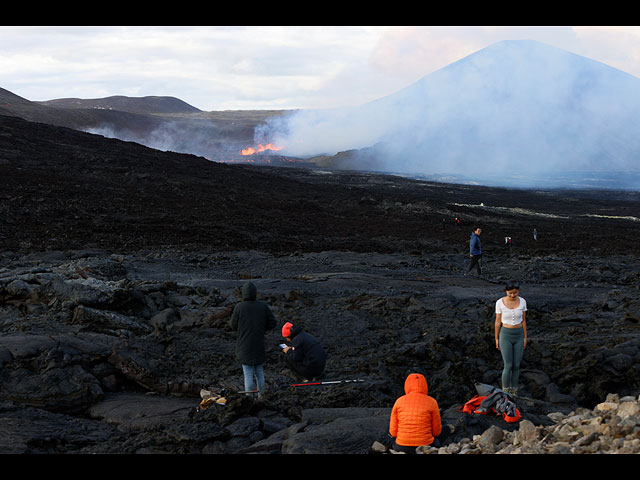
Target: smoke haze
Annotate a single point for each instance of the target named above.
(521, 109)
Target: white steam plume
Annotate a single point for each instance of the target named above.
(515, 108)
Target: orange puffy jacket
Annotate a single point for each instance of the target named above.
(415, 417)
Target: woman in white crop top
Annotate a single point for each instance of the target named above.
(511, 334)
(512, 310)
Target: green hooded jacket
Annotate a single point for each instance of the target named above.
(251, 319)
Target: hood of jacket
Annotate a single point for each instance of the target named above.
(249, 291)
(295, 330)
(416, 383)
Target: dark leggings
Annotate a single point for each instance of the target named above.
(511, 348)
(302, 370)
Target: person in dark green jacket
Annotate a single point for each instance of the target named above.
(251, 319)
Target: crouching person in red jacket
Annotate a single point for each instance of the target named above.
(415, 417)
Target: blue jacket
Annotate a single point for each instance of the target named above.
(475, 248)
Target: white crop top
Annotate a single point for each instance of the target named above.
(511, 316)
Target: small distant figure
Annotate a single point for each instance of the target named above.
(535, 234)
(475, 251)
(507, 241)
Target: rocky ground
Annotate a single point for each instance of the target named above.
(119, 266)
(611, 427)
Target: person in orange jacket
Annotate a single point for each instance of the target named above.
(415, 417)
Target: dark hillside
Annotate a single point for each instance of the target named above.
(66, 189)
(63, 189)
(164, 123)
(146, 105)
(76, 118)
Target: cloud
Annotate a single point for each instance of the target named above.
(213, 68)
(615, 46)
(270, 67)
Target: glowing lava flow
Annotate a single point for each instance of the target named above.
(260, 148)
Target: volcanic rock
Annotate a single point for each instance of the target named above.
(120, 266)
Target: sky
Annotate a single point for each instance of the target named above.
(266, 67)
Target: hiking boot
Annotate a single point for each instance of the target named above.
(511, 391)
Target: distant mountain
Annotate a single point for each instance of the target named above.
(164, 123)
(145, 105)
(514, 108)
(76, 118)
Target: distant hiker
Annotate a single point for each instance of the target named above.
(511, 334)
(251, 319)
(475, 250)
(305, 356)
(415, 417)
(535, 234)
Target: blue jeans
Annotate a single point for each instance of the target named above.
(254, 378)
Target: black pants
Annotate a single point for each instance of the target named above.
(437, 442)
(476, 260)
(302, 370)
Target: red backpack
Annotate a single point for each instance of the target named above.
(472, 405)
(514, 419)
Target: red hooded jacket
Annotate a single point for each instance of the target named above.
(415, 417)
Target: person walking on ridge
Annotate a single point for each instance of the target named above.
(475, 251)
